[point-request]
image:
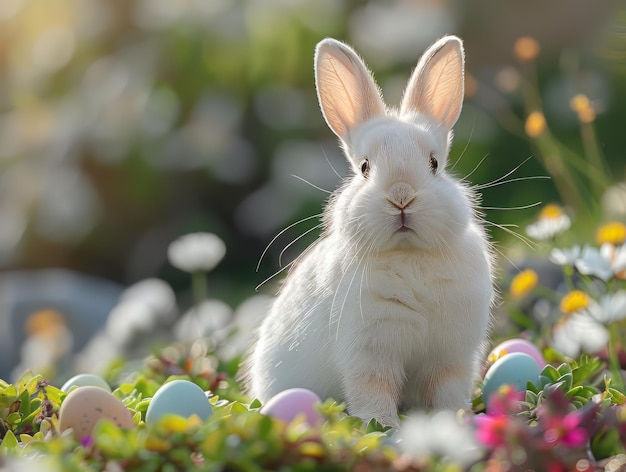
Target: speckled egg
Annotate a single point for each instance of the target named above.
(84, 406)
(290, 403)
(517, 345)
(514, 369)
(179, 397)
(84, 380)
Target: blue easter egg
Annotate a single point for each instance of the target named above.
(86, 380)
(516, 369)
(179, 397)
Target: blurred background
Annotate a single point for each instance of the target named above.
(127, 123)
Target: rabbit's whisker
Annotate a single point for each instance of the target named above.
(302, 179)
(308, 231)
(281, 233)
(292, 263)
(331, 165)
(527, 241)
(347, 291)
(476, 167)
(502, 178)
(469, 139)
(522, 207)
(517, 179)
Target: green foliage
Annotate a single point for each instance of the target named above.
(27, 407)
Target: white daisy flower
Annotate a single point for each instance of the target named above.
(439, 434)
(618, 261)
(196, 252)
(603, 263)
(583, 326)
(612, 307)
(551, 221)
(565, 257)
(578, 333)
(210, 318)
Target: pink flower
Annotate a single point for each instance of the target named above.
(566, 430)
(491, 429)
(505, 400)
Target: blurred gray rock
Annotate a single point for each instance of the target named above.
(84, 301)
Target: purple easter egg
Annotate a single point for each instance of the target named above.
(516, 345)
(290, 403)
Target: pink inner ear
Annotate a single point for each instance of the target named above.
(436, 86)
(347, 93)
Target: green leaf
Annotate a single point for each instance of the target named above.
(9, 441)
(572, 392)
(142, 406)
(14, 419)
(531, 397)
(551, 373)
(606, 444)
(564, 369)
(585, 369)
(31, 385)
(236, 407)
(567, 380)
(533, 388)
(265, 427)
(544, 382)
(256, 404)
(375, 427)
(8, 395)
(617, 397)
(25, 409)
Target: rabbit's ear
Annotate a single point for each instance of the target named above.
(436, 86)
(346, 90)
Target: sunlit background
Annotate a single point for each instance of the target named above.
(127, 123)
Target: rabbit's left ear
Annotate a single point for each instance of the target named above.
(436, 86)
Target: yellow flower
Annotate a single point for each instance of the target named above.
(613, 233)
(583, 108)
(551, 211)
(526, 48)
(523, 283)
(579, 102)
(535, 124)
(551, 221)
(574, 301)
(312, 449)
(495, 355)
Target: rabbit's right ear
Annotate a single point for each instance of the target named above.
(346, 90)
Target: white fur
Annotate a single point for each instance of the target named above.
(378, 318)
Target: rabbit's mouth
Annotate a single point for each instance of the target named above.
(404, 219)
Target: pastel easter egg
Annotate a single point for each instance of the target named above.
(84, 380)
(290, 403)
(179, 397)
(517, 345)
(85, 406)
(514, 369)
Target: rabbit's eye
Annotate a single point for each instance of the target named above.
(433, 163)
(365, 167)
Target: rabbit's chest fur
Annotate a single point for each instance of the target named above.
(418, 305)
(406, 308)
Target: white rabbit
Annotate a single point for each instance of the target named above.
(389, 309)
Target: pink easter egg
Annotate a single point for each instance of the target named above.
(517, 345)
(290, 403)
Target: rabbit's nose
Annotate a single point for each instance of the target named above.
(400, 195)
